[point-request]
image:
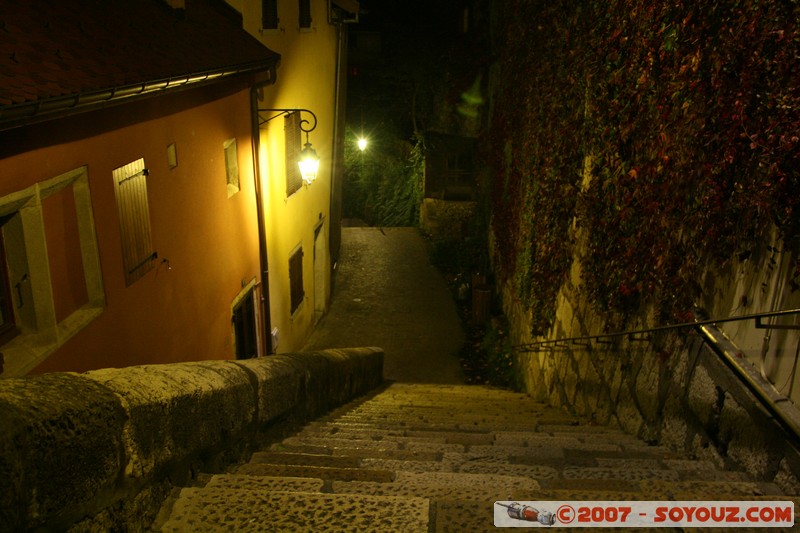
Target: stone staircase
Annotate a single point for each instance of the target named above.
(417, 457)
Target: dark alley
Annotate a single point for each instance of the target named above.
(399, 265)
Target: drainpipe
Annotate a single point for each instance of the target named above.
(335, 237)
(262, 231)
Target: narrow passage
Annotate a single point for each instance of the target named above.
(387, 294)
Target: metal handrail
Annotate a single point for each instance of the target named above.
(636, 335)
(778, 405)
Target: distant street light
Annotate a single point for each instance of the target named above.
(362, 143)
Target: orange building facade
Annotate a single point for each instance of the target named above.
(204, 242)
(128, 211)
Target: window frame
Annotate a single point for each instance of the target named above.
(8, 329)
(42, 333)
(133, 209)
(296, 287)
(243, 318)
(231, 166)
(304, 19)
(269, 15)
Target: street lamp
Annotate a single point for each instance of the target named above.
(362, 143)
(308, 160)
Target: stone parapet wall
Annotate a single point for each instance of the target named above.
(100, 451)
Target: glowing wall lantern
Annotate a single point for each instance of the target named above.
(309, 163)
(308, 160)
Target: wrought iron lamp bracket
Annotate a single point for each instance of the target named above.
(280, 112)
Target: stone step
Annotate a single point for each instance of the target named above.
(491, 461)
(269, 483)
(336, 437)
(709, 490)
(213, 509)
(321, 472)
(304, 459)
(446, 485)
(373, 444)
(602, 453)
(497, 408)
(436, 458)
(453, 421)
(411, 419)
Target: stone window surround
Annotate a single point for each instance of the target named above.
(37, 341)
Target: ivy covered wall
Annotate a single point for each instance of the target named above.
(667, 134)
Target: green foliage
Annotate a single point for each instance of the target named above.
(464, 251)
(687, 116)
(501, 371)
(537, 147)
(458, 257)
(487, 356)
(383, 184)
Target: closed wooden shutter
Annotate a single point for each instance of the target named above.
(269, 14)
(130, 186)
(293, 141)
(296, 278)
(305, 13)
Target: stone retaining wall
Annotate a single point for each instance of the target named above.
(100, 451)
(446, 218)
(669, 389)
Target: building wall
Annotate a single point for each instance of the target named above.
(306, 79)
(206, 242)
(765, 281)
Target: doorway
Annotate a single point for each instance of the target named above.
(319, 272)
(244, 326)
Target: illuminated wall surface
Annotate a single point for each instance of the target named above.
(129, 228)
(301, 220)
(205, 241)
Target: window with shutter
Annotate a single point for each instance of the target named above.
(130, 186)
(296, 278)
(294, 144)
(269, 14)
(231, 166)
(305, 14)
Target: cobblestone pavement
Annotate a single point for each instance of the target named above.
(387, 294)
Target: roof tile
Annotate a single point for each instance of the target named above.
(50, 49)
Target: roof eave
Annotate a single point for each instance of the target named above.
(23, 114)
